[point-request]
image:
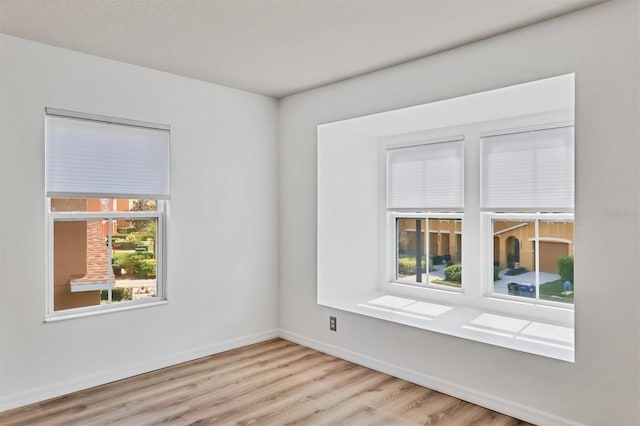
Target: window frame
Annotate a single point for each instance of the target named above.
(107, 215)
(156, 185)
(392, 255)
(488, 218)
(474, 291)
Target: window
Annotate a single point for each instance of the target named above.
(437, 242)
(533, 256)
(106, 184)
(526, 199)
(423, 180)
(405, 196)
(530, 173)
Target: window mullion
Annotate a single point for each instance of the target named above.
(50, 260)
(110, 240)
(427, 243)
(537, 257)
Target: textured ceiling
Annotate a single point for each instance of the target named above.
(273, 47)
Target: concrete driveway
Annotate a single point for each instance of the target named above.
(500, 286)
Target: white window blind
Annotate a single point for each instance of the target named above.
(528, 171)
(429, 176)
(100, 158)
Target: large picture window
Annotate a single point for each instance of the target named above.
(106, 184)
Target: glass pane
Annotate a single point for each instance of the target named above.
(134, 205)
(515, 259)
(101, 205)
(133, 259)
(80, 259)
(556, 261)
(125, 227)
(411, 246)
(82, 276)
(441, 243)
(78, 204)
(514, 263)
(445, 252)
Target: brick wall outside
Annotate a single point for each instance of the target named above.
(97, 255)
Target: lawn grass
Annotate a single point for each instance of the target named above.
(553, 290)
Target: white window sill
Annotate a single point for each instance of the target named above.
(77, 287)
(480, 325)
(102, 309)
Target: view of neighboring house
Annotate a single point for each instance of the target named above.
(81, 269)
(80, 255)
(445, 237)
(514, 244)
(115, 205)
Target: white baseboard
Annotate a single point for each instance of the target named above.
(85, 382)
(474, 396)
(501, 405)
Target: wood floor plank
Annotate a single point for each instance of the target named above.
(270, 383)
(307, 404)
(161, 381)
(172, 395)
(212, 402)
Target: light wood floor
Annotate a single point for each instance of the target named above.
(270, 383)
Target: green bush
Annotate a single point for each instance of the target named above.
(136, 237)
(496, 272)
(565, 268)
(145, 233)
(117, 257)
(407, 266)
(117, 294)
(516, 271)
(140, 264)
(437, 260)
(453, 273)
(146, 268)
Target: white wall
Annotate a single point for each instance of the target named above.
(222, 223)
(599, 44)
(351, 162)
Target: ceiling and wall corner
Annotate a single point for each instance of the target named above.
(274, 48)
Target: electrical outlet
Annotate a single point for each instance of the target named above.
(333, 324)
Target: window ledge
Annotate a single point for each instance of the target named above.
(84, 284)
(99, 310)
(480, 325)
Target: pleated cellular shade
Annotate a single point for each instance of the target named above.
(528, 171)
(95, 159)
(429, 176)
